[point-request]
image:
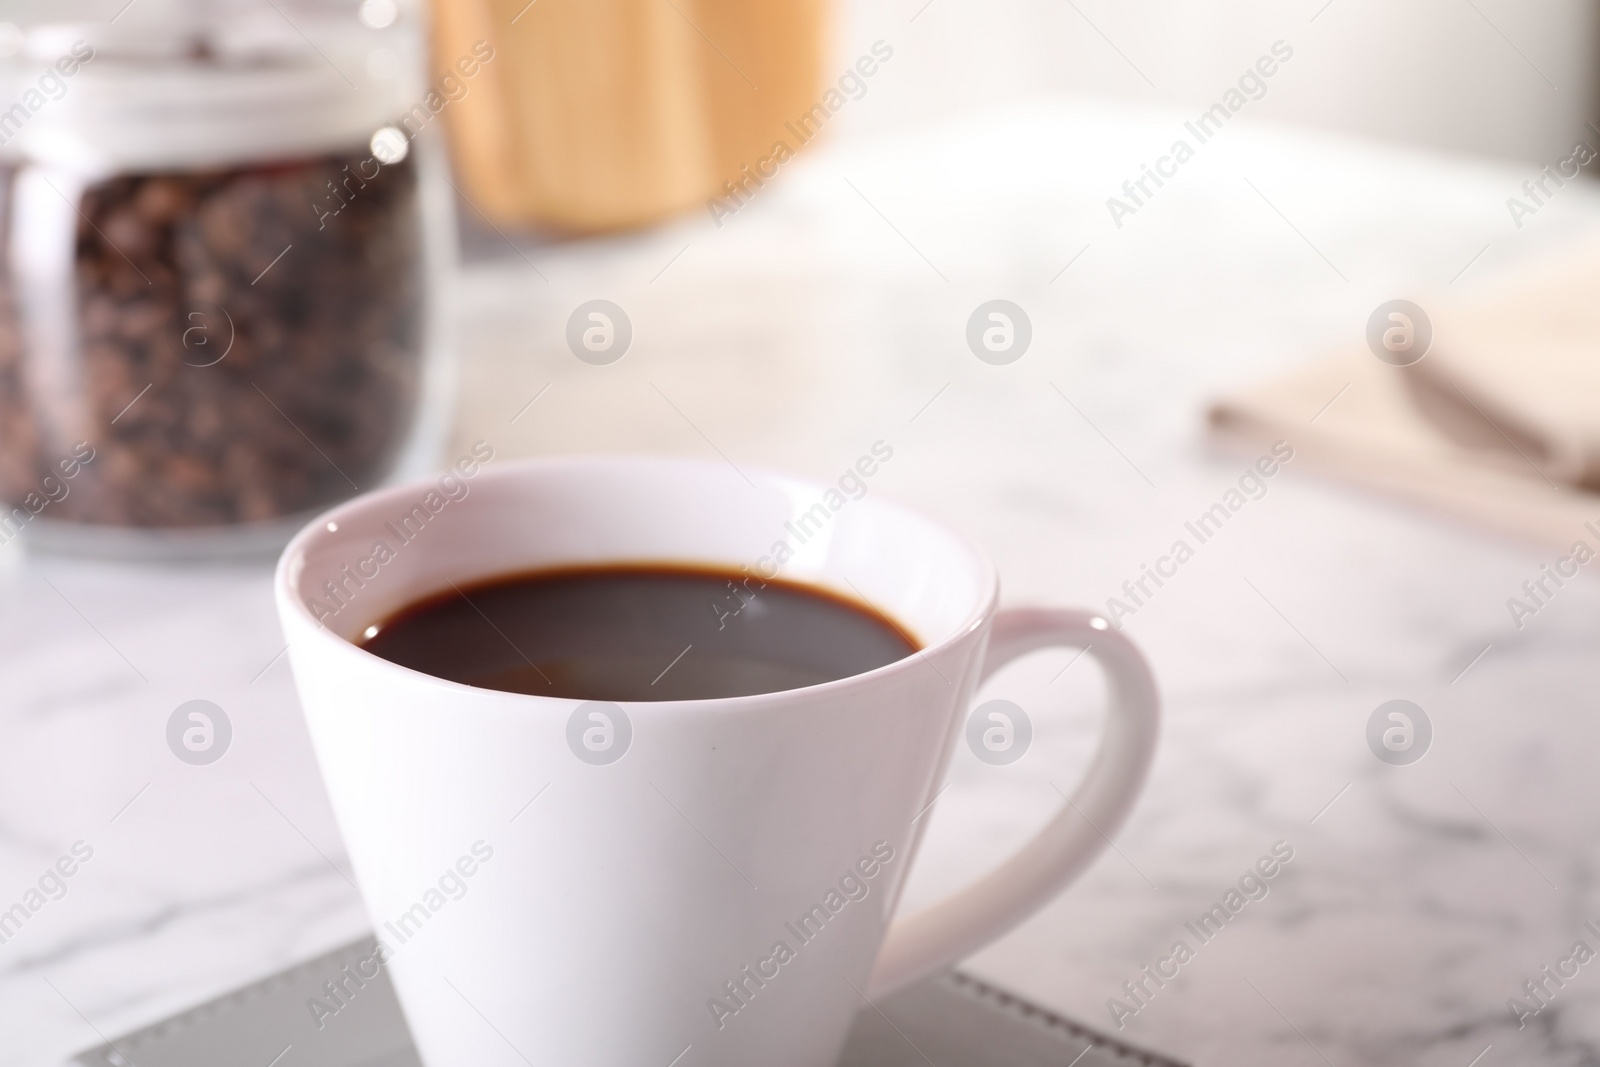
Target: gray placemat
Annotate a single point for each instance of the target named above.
(952, 1021)
(959, 1021)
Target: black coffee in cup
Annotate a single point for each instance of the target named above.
(638, 632)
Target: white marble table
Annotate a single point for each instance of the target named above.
(826, 315)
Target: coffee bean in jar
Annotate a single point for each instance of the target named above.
(241, 359)
(234, 327)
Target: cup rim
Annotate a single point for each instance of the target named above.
(289, 600)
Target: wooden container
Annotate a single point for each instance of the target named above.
(602, 114)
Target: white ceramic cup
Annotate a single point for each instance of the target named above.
(713, 880)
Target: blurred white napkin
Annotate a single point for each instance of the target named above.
(1498, 424)
(1527, 361)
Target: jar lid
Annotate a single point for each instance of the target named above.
(171, 92)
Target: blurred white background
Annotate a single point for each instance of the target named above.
(1504, 78)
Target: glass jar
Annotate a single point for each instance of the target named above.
(218, 250)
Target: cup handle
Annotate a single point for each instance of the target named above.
(938, 936)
